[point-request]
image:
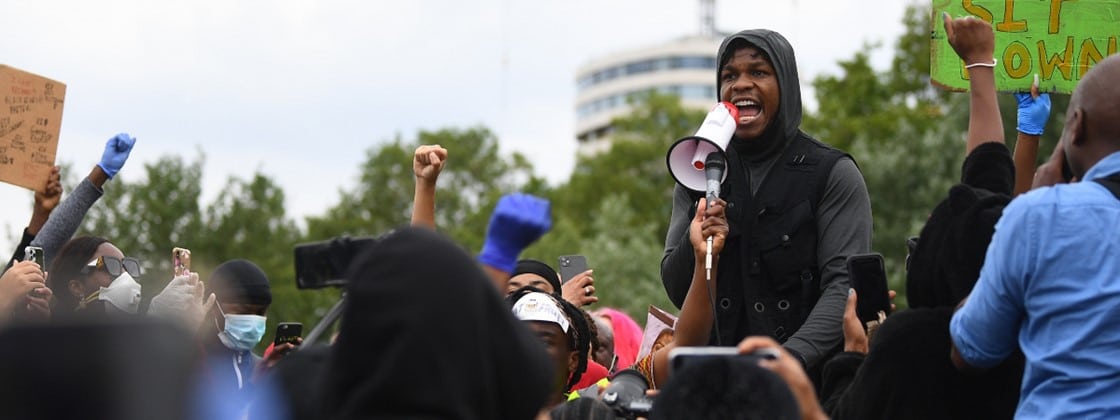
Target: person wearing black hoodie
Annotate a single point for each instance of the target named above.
(425, 335)
(797, 208)
(906, 372)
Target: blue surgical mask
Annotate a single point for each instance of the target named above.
(242, 332)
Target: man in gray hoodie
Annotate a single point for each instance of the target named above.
(797, 208)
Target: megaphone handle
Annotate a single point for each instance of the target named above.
(708, 260)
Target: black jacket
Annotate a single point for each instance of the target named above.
(797, 208)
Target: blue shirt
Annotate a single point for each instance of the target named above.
(1051, 284)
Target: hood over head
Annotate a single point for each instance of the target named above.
(780, 53)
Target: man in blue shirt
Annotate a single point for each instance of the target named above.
(1050, 283)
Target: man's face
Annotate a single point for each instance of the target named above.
(559, 349)
(231, 308)
(528, 279)
(605, 351)
(749, 81)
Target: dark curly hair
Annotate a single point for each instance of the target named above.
(67, 265)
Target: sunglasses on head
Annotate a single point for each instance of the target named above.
(114, 266)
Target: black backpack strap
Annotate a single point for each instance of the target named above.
(1112, 182)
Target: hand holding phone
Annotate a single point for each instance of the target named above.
(288, 332)
(34, 253)
(576, 281)
(869, 279)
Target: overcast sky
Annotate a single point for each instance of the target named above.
(301, 89)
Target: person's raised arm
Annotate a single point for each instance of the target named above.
(518, 221)
(46, 201)
(1034, 110)
(694, 326)
(427, 163)
(974, 42)
(1051, 172)
(66, 219)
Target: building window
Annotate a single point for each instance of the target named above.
(647, 66)
(608, 103)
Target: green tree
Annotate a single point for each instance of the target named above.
(248, 221)
(615, 206)
(633, 169)
(626, 263)
(475, 176)
(146, 218)
(906, 135)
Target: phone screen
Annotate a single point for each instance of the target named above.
(288, 332)
(869, 279)
(181, 261)
(571, 266)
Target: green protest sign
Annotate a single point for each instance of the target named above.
(1059, 40)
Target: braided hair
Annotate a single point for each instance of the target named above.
(579, 336)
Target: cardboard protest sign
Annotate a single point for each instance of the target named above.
(1059, 40)
(30, 120)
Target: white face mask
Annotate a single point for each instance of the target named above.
(123, 292)
(242, 331)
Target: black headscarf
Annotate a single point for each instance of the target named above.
(425, 335)
(780, 53)
(528, 266)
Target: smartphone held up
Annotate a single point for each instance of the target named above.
(34, 253)
(869, 279)
(571, 266)
(181, 261)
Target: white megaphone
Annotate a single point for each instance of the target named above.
(686, 156)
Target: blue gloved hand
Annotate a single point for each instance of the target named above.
(1033, 113)
(517, 221)
(116, 153)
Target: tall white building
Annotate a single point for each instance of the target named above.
(685, 67)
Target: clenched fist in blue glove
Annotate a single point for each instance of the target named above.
(116, 153)
(1033, 113)
(518, 221)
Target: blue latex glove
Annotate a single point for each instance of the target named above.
(1033, 113)
(517, 221)
(116, 153)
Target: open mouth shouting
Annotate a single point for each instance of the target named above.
(749, 110)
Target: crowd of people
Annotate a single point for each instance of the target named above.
(1012, 283)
